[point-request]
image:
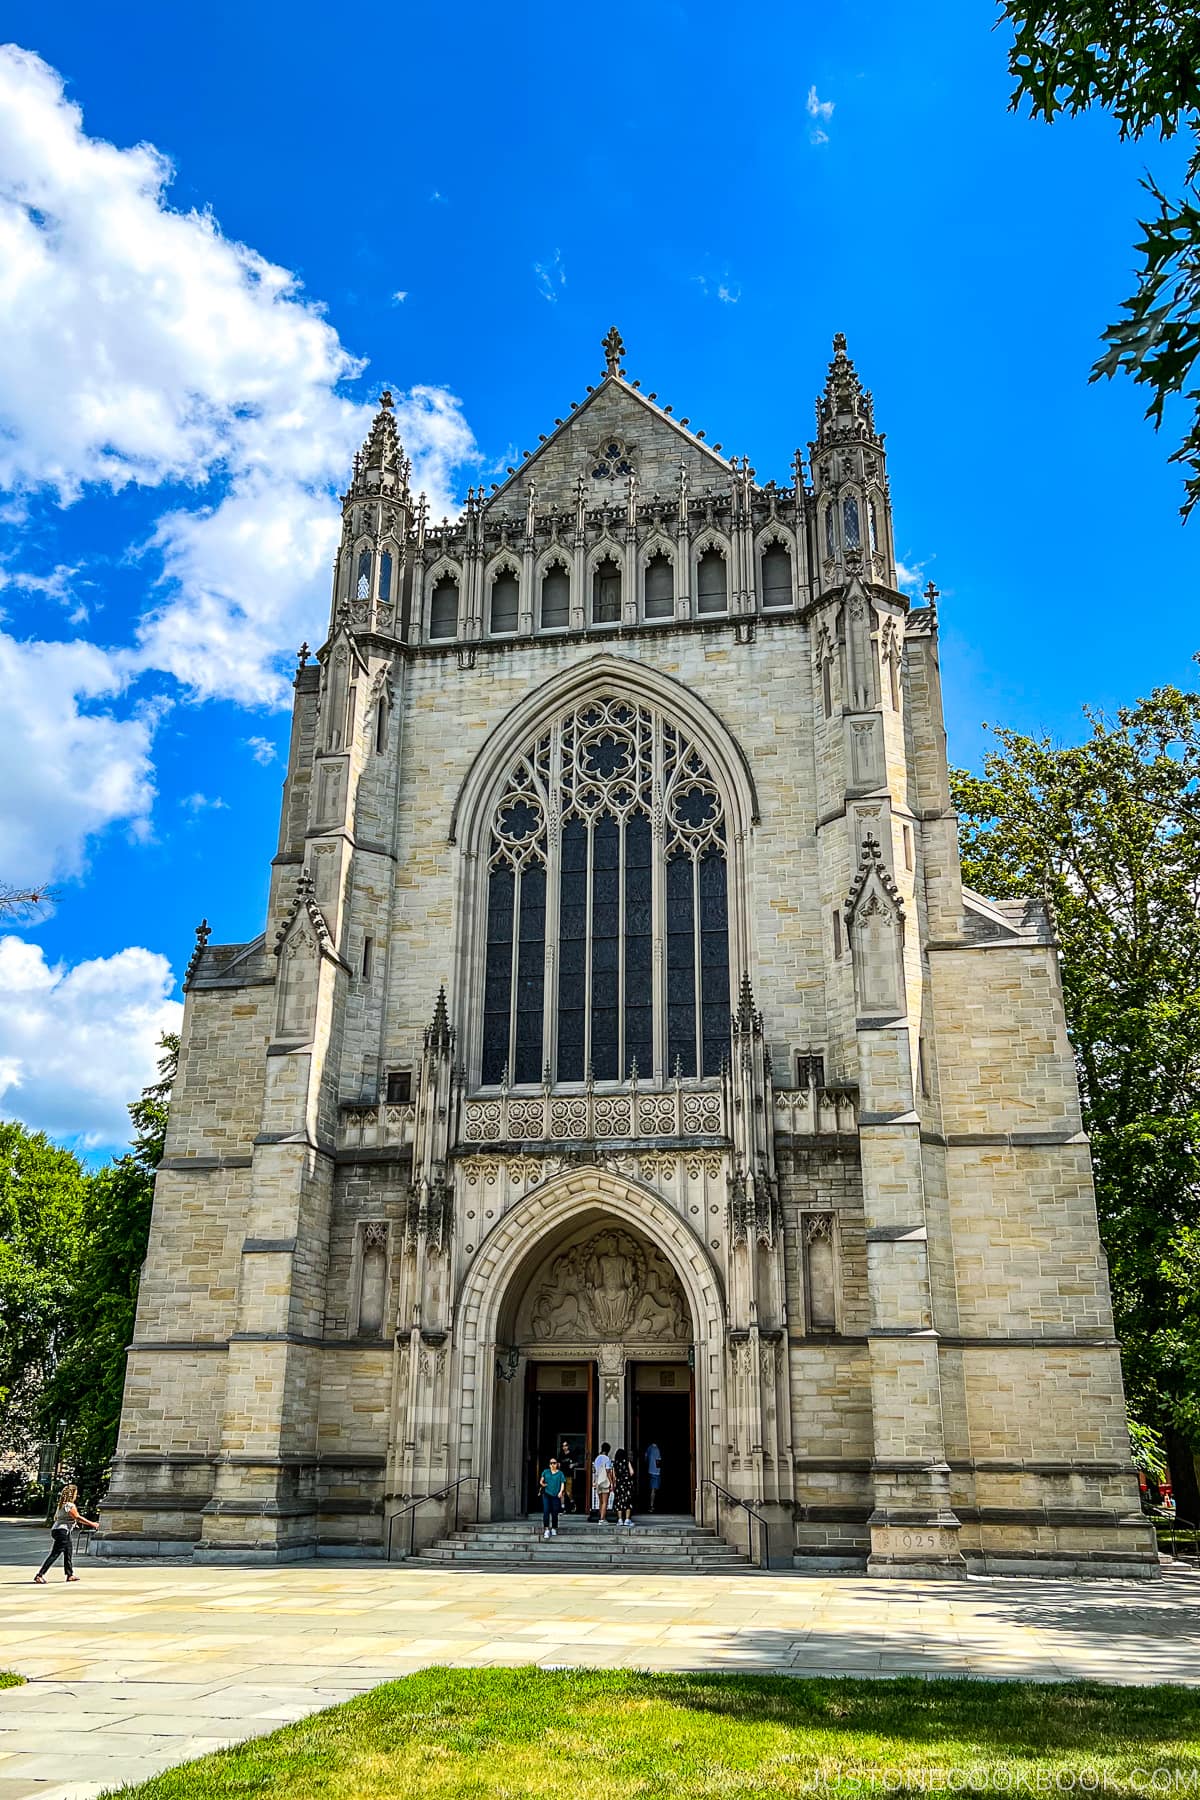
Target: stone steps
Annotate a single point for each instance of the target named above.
(681, 1548)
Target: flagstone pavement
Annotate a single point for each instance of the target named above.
(142, 1665)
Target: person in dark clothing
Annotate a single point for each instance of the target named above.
(566, 1463)
(623, 1485)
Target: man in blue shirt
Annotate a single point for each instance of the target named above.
(654, 1472)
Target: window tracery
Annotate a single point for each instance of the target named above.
(612, 460)
(607, 945)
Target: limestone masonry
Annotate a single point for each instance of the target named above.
(623, 1059)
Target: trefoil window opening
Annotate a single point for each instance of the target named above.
(443, 609)
(776, 577)
(606, 593)
(556, 598)
(505, 603)
(712, 592)
(660, 588)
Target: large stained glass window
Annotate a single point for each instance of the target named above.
(607, 943)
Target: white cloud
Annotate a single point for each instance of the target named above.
(198, 803)
(818, 109)
(400, 296)
(550, 277)
(726, 291)
(77, 1044)
(68, 767)
(142, 345)
(818, 137)
(909, 575)
(262, 750)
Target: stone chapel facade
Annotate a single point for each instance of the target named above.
(624, 1058)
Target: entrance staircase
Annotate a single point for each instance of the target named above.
(665, 1545)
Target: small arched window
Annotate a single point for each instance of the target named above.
(606, 593)
(776, 576)
(556, 598)
(830, 533)
(660, 588)
(443, 609)
(506, 602)
(385, 576)
(712, 595)
(851, 529)
(362, 584)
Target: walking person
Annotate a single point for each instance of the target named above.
(602, 1471)
(66, 1516)
(653, 1472)
(623, 1485)
(552, 1483)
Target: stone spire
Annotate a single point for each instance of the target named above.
(845, 410)
(851, 502)
(381, 465)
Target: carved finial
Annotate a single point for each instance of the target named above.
(385, 399)
(839, 343)
(203, 933)
(438, 1035)
(302, 657)
(932, 596)
(614, 350)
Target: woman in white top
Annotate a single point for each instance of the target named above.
(66, 1516)
(602, 1481)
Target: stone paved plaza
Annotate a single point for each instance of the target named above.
(144, 1665)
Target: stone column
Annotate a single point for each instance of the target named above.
(610, 1426)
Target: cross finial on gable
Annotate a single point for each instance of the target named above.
(614, 350)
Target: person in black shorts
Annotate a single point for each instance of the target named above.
(566, 1463)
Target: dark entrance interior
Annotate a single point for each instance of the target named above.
(661, 1413)
(560, 1400)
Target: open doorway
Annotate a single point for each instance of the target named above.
(662, 1414)
(560, 1407)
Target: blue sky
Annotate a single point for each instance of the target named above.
(460, 205)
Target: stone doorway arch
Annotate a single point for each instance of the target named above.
(494, 1303)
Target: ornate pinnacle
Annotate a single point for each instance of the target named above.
(203, 933)
(385, 400)
(614, 350)
(302, 656)
(438, 1035)
(932, 596)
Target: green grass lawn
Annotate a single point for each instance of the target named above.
(458, 1734)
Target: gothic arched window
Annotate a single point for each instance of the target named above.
(606, 593)
(776, 576)
(851, 529)
(362, 585)
(660, 588)
(443, 609)
(385, 576)
(505, 602)
(556, 598)
(607, 912)
(712, 594)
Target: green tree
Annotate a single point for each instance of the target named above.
(1109, 832)
(42, 1191)
(84, 1391)
(1140, 61)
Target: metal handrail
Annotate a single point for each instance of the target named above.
(734, 1500)
(1174, 1525)
(451, 1487)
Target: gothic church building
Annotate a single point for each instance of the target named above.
(623, 1058)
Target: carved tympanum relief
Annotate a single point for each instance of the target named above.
(609, 1287)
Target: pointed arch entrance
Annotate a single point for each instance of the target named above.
(594, 1274)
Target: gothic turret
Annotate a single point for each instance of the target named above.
(377, 515)
(850, 486)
